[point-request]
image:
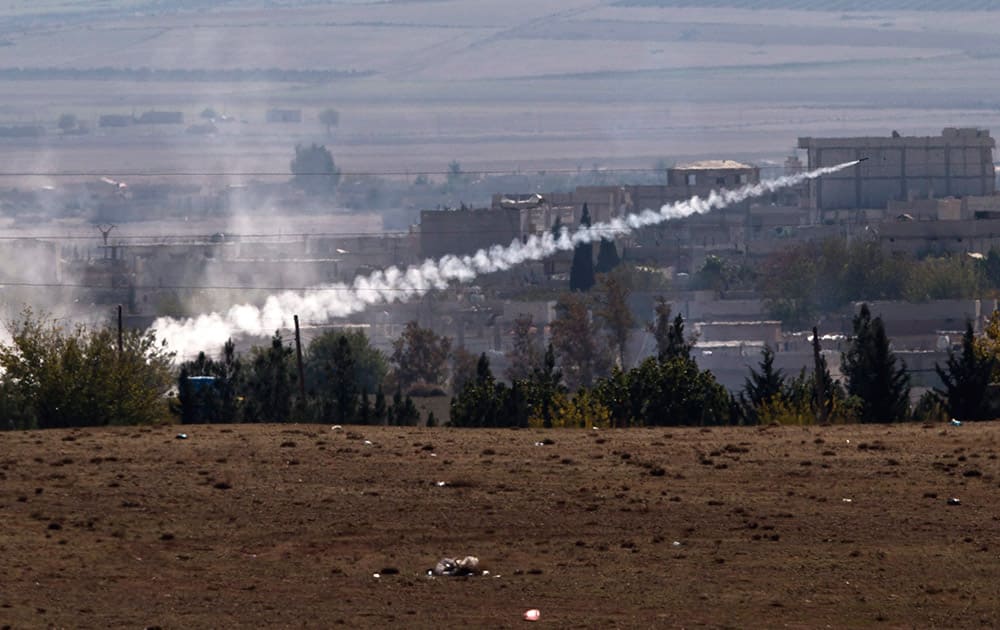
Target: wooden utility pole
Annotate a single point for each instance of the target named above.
(298, 359)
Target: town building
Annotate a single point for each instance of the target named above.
(957, 163)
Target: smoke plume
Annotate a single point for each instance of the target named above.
(208, 332)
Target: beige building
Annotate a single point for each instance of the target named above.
(957, 163)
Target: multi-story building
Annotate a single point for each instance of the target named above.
(957, 163)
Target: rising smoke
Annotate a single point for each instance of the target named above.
(208, 332)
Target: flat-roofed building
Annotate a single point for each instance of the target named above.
(957, 163)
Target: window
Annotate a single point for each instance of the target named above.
(692, 179)
(721, 181)
(743, 179)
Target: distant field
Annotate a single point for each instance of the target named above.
(828, 5)
(516, 85)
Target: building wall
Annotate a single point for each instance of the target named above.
(466, 231)
(959, 162)
(939, 237)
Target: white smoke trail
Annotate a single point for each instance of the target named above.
(208, 332)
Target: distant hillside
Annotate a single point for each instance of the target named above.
(867, 6)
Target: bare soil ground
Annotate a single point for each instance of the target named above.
(286, 525)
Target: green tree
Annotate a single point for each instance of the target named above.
(714, 275)
(607, 257)
(966, 379)
(56, 377)
(420, 356)
(330, 119)
(677, 345)
(823, 385)
(542, 388)
(403, 412)
(463, 368)
(218, 400)
(370, 364)
(314, 171)
(581, 272)
(948, 278)
(342, 387)
(669, 336)
(270, 382)
(484, 402)
(787, 282)
(762, 387)
(872, 374)
(577, 342)
(991, 269)
(524, 357)
(660, 393)
(614, 314)
(380, 412)
(365, 408)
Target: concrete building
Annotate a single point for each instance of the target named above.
(699, 178)
(957, 163)
(468, 230)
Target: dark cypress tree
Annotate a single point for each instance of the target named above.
(966, 380)
(762, 387)
(607, 257)
(543, 386)
(822, 382)
(677, 347)
(343, 384)
(365, 408)
(872, 375)
(270, 383)
(581, 273)
(379, 415)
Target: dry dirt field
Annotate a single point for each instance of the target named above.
(286, 525)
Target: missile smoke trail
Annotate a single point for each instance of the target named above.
(208, 332)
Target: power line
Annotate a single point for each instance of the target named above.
(526, 171)
(534, 172)
(318, 288)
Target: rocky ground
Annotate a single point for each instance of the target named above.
(307, 526)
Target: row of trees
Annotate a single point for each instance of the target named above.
(344, 381)
(57, 378)
(800, 282)
(670, 389)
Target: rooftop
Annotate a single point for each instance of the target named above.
(711, 165)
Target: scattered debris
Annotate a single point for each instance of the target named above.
(956, 423)
(954, 501)
(336, 427)
(848, 500)
(539, 443)
(469, 565)
(441, 484)
(369, 443)
(182, 436)
(532, 615)
(676, 543)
